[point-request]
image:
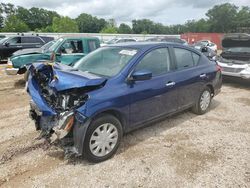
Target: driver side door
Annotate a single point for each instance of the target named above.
(70, 52)
(153, 98)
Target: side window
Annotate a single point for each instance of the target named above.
(156, 61)
(31, 40)
(185, 58)
(71, 47)
(14, 40)
(92, 45)
(196, 58)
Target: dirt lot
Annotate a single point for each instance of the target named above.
(186, 150)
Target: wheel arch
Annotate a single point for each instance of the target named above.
(210, 86)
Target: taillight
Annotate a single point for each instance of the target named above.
(218, 68)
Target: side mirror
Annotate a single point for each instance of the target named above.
(141, 75)
(204, 49)
(7, 44)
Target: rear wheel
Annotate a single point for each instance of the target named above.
(203, 103)
(103, 138)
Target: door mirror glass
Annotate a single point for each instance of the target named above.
(141, 75)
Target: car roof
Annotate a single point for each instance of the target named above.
(143, 45)
(78, 37)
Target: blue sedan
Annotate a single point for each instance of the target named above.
(117, 89)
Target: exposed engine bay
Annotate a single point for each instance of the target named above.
(63, 102)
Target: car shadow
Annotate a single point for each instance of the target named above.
(155, 129)
(140, 135)
(236, 82)
(19, 84)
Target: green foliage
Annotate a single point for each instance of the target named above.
(64, 25)
(90, 24)
(13, 24)
(221, 18)
(124, 29)
(109, 29)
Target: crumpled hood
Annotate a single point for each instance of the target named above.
(236, 40)
(65, 77)
(28, 51)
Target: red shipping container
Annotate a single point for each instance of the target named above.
(194, 37)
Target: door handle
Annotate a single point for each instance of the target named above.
(19, 46)
(203, 75)
(170, 84)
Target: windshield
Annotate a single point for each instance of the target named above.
(46, 46)
(107, 61)
(239, 50)
(3, 40)
(56, 43)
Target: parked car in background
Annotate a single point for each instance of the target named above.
(167, 39)
(198, 45)
(43, 49)
(11, 44)
(235, 57)
(2, 36)
(118, 40)
(66, 50)
(117, 89)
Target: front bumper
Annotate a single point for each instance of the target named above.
(11, 71)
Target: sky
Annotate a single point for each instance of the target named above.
(162, 11)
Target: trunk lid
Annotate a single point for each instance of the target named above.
(236, 48)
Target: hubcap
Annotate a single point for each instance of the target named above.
(205, 100)
(103, 140)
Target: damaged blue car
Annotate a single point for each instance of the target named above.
(116, 89)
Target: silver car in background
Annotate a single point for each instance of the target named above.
(235, 57)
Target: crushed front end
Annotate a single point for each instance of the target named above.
(55, 102)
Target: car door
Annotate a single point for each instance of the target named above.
(155, 97)
(189, 76)
(11, 45)
(70, 51)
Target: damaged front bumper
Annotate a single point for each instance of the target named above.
(57, 127)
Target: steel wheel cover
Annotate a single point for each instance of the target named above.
(103, 140)
(205, 100)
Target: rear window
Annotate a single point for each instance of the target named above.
(92, 45)
(185, 58)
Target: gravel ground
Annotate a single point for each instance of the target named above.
(185, 150)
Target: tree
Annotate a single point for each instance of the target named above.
(13, 24)
(90, 24)
(36, 18)
(64, 25)
(221, 17)
(143, 26)
(124, 29)
(109, 29)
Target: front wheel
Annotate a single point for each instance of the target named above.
(203, 103)
(103, 138)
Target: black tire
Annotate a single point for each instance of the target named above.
(197, 109)
(97, 122)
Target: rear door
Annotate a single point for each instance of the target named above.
(155, 97)
(31, 42)
(71, 51)
(189, 76)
